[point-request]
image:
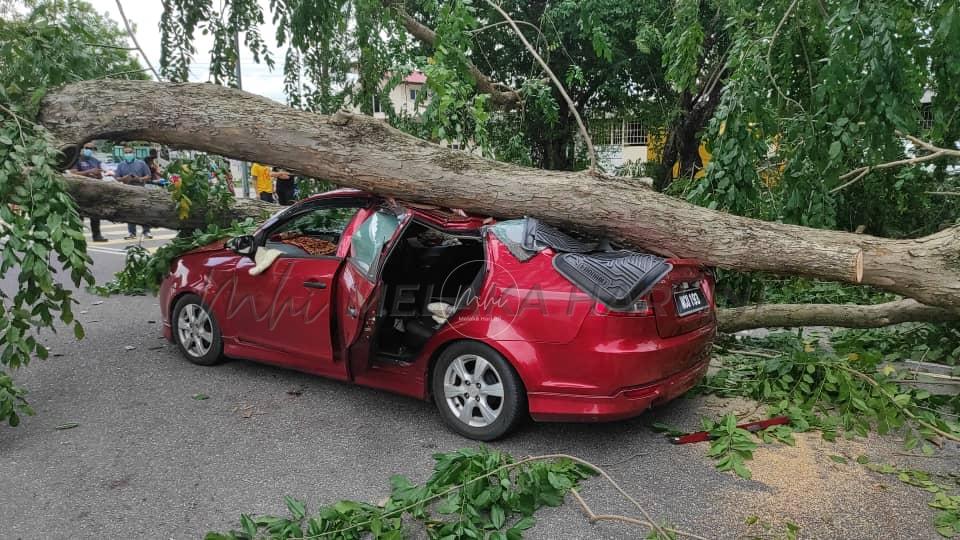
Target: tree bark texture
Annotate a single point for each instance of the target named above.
(843, 315)
(154, 207)
(361, 152)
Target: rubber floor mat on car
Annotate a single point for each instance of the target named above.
(616, 278)
(537, 235)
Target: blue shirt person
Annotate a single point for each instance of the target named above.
(89, 166)
(133, 171)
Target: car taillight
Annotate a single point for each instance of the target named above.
(641, 308)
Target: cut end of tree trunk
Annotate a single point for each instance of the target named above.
(858, 267)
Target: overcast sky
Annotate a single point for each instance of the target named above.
(145, 16)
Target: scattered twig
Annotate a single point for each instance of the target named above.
(573, 108)
(135, 43)
(501, 23)
(936, 152)
(16, 118)
(944, 193)
(105, 46)
(592, 517)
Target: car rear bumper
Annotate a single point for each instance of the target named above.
(627, 403)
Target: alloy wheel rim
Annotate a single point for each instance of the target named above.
(195, 330)
(473, 390)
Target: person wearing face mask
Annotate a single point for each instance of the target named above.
(133, 171)
(89, 166)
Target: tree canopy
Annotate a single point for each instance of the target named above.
(787, 96)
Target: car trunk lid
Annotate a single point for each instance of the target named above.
(683, 300)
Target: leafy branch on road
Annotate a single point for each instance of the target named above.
(848, 391)
(479, 493)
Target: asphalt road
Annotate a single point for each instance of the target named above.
(148, 461)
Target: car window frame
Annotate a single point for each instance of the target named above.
(373, 273)
(288, 215)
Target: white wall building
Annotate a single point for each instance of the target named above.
(403, 97)
(618, 141)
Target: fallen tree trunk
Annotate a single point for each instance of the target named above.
(358, 151)
(121, 202)
(842, 315)
(135, 204)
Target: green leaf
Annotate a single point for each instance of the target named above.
(835, 150)
(78, 331)
(741, 470)
(525, 523)
(249, 527)
(497, 516)
(838, 459)
(66, 246)
(297, 508)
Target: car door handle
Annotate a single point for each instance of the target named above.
(315, 284)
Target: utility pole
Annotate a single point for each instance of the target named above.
(245, 169)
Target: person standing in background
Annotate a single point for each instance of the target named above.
(286, 186)
(151, 161)
(89, 166)
(133, 171)
(264, 181)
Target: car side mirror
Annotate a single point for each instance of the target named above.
(243, 245)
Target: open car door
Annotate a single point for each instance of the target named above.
(359, 284)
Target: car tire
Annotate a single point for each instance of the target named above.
(196, 332)
(478, 393)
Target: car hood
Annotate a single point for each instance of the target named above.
(212, 246)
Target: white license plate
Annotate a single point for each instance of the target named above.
(689, 301)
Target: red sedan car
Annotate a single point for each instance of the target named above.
(494, 321)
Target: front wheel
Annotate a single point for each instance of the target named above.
(478, 393)
(196, 331)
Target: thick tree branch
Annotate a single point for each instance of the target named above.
(154, 207)
(842, 315)
(501, 96)
(361, 152)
